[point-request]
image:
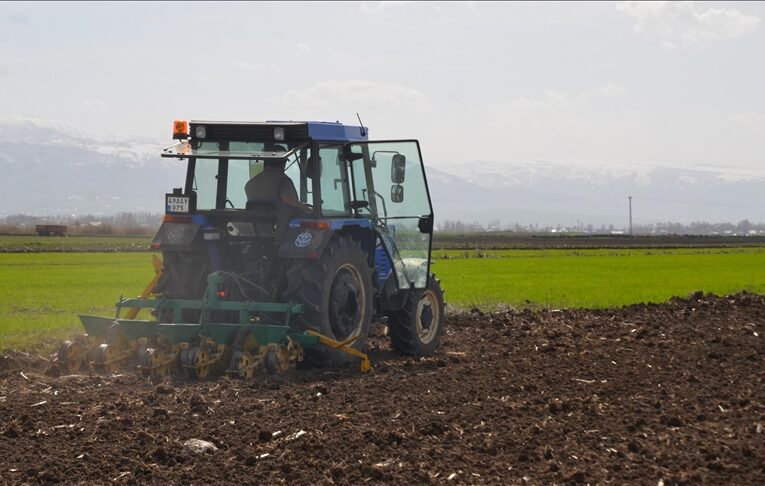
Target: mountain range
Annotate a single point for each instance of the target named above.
(54, 168)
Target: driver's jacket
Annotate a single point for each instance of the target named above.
(272, 186)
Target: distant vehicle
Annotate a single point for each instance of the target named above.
(51, 229)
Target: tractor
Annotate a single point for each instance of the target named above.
(286, 243)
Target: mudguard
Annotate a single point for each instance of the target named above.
(175, 236)
(304, 242)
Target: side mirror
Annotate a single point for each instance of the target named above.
(397, 193)
(425, 224)
(398, 169)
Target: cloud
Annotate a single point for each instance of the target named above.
(5, 70)
(302, 46)
(533, 122)
(552, 102)
(93, 104)
(18, 19)
(612, 90)
(377, 7)
(747, 118)
(433, 6)
(249, 66)
(594, 123)
(355, 92)
(680, 25)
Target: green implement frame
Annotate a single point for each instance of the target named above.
(177, 331)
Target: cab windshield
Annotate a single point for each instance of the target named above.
(236, 172)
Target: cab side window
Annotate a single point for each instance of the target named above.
(334, 182)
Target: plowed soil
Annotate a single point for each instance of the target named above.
(644, 394)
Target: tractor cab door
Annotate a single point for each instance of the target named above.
(389, 180)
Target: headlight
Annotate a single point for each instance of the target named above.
(200, 131)
(279, 134)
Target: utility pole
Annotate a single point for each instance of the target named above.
(630, 198)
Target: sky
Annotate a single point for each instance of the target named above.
(665, 84)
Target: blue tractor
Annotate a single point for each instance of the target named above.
(286, 243)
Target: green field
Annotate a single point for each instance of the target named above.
(34, 243)
(41, 293)
(594, 278)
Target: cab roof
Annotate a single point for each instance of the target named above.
(295, 131)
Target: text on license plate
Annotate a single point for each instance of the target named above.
(177, 204)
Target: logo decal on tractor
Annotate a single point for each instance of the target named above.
(175, 233)
(303, 239)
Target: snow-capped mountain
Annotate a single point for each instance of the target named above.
(51, 167)
(553, 193)
(33, 130)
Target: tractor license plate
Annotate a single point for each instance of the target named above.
(177, 204)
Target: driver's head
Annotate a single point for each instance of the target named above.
(274, 147)
(275, 164)
(278, 164)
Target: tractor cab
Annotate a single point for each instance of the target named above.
(340, 180)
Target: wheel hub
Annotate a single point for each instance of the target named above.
(346, 303)
(427, 317)
(428, 313)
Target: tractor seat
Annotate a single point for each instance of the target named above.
(270, 219)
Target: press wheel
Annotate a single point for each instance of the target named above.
(154, 362)
(108, 358)
(241, 365)
(70, 356)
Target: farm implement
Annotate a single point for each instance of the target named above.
(287, 241)
(198, 349)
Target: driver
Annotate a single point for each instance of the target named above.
(273, 186)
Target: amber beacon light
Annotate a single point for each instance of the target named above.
(180, 130)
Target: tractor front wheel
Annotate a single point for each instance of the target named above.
(417, 328)
(336, 292)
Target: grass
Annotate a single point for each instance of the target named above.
(594, 278)
(600, 252)
(42, 293)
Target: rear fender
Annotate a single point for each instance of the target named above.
(364, 235)
(185, 233)
(175, 236)
(309, 238)
(301, 242)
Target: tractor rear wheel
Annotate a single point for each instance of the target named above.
(417, 328)
(336, 292)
